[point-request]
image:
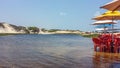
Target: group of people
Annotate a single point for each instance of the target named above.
(107, 43)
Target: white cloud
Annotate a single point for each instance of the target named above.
(97, 13)
(62, 14)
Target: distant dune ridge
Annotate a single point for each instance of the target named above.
(9, 28)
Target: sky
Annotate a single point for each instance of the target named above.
(52, 14)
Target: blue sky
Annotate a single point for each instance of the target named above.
(51, 14)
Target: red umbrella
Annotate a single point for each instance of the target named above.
(112, 6)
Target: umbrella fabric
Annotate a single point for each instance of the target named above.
(109, 15)
(114, 5)
(101, 29)
(114, 29)
(103, 22)
(104, 26)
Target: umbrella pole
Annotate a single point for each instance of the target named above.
(112, 33)
(104, 29)
(112, 42)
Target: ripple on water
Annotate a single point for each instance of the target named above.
(53, 51)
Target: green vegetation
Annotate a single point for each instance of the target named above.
(43, 29)
(34, 29)
(90, 35)
(53, 30)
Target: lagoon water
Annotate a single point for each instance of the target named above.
(53, 51)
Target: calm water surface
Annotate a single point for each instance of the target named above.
(53, 51)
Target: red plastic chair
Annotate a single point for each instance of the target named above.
(117, 45)
(109, 40)
(97, 43)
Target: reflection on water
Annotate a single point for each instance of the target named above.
(106, 60)
(53, 51)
